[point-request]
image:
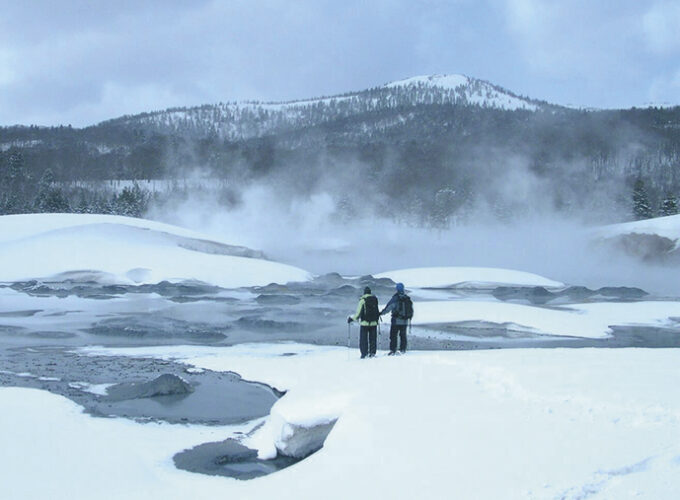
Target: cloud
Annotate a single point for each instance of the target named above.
(7, 73)
(665, 89)
(61, 61)
(660, 25)
(570, 38)
(200, 52)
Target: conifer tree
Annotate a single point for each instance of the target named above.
(669, 205)
(641, 207)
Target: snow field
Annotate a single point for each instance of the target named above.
(556, 423)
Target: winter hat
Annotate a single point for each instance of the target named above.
(367, 290)
(400, 287)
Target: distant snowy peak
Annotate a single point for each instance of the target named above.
(444, 81)
(468, 91)
(248, 119)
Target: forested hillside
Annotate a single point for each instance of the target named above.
(437, 148)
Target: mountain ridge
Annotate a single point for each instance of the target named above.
(266, 117)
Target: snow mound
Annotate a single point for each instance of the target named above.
(655, 239)
(665, 227)
(443, 277)
(114, 249)
(167, 384)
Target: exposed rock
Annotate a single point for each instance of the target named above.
(165, 385)
(621, 292)
(147, 325)
(577, 292)
(269, 325)
(539, 295)
(344, 290)
(271, 288)
(277, 299)
(651, 247)
(535, 294)
(329, 280)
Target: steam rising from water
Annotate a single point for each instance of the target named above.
(307, 232)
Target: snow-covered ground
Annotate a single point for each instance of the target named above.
(124, 250)
(559, 423)
(441, 277)
(591, 320)
(515, 423)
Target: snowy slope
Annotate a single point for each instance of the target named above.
(511, 424)
(469, 91)
(126, 250)
(239, 120)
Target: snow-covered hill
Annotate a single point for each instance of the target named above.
(239, 120)
(123, 250)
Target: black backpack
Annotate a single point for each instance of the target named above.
(370, 310)
(404, 307)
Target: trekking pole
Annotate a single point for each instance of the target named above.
(348, 333)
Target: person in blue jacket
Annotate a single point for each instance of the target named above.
(401, 307)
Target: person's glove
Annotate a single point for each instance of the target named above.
(349, 319)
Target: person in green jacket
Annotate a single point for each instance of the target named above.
(368, 314)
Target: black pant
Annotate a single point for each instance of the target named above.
(401, 330)
(367, 335)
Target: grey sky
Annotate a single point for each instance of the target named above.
(82, 61)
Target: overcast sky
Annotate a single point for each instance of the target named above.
(82, 61)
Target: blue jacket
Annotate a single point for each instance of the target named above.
(392, 307)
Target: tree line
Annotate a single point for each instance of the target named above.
(431, 164)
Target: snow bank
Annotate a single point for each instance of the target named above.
(124, 250)
(511, 424)
(441, 277)
(665, 227)
(591, 320)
